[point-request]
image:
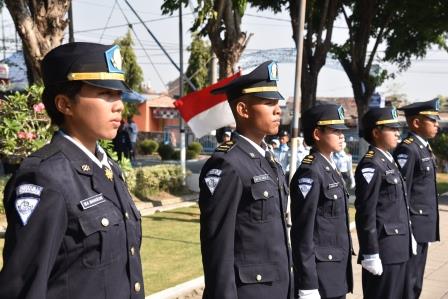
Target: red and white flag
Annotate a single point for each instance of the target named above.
(204, 111)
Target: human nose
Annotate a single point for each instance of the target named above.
(118, 105)
(277, 109)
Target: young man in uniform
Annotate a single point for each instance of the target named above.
(243, 198)
(320, 234)
(73, 229)
(418, 166)
(382, 218)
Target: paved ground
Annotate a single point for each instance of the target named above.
(435, 285)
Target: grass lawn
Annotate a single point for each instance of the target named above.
(442, 183)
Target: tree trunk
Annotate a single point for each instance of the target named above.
(230, 47)
(40, 25)
(319, 18)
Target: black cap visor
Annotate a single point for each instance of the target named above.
(393, 125)
(272, 95)
(432, 116)
(109, 84)
(338, 126)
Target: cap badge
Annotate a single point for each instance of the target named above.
(273, 71)
(437, 108)
(394, 113)
(114, 60)
(341, 112)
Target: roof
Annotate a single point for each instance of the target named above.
(161, 101)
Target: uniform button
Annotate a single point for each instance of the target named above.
(330, 257)
(258, 277)
(395, 181)
(105, 222)
(396, 231)
(265, 193)
(132, 250)
(335, 196)
(292, 269)
(137, 287)
(327, 168)
(427, 168)
(420, 211)
(126, 215)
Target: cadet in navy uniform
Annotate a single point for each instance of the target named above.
(243, 199)
(418, 167)
(73, 230)
(320, 234)
(382, 218)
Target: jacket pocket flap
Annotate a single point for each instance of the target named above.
(392, 179)
(418, 210)
(334, 194)
(100, 220)
(258, 273)
(263, 190)
(394, 229)
(329, 254)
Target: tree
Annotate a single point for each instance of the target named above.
(41, 26)
(405, 28)
(198, 63)
(319, 19)
(220, 20)
(132, 70)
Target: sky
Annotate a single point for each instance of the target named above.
(426, 78)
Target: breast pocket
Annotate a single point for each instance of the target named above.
(104, 236)
(333, 204)
(427, 167)
(263, 194)
(393, 185)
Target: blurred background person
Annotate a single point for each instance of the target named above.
(122, 142)
(344, 164)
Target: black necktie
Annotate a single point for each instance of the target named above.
(270, 158)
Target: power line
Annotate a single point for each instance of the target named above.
(108, 19)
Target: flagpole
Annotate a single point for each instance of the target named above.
(181, 93)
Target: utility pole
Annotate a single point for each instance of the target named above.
(71, 36)
(297, 90)
(181, 93)
(3, 36)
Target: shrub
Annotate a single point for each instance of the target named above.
(3, 181)
(440, 146)
(24, 125)
(192, 154)
(148, 146)
(165, 151)
(196, 147)
(151, 180)
(175, 155)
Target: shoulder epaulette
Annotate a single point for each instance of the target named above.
(225, 146)
(308, 159)
(38, 156)
(408, 140)
(369, 154)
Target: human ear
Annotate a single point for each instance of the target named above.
(316, 134)
(242, 110)
(63, 104)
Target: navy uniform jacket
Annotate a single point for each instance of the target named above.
(320, 233)
(382, 218)
(245, 250)
(70, 247)
(418, 167)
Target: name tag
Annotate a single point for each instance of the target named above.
(390, 171)
(92, 201)
(261, 178)
(426, 159)
(333, 185)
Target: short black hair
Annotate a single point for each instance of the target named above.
(70, 89)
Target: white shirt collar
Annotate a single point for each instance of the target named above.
(387, 154)
(423, 141)
(92, 157)
(256, 146)
(331, 162)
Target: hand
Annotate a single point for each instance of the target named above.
(309, 294)
(413, 245)
(372, 263)
(352, 183)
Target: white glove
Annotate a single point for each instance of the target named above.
(372, 263)
(413, 245)
(309, 294)
(352, 182)
(429, 244)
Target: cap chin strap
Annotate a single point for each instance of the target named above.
(330, 122)
(387, 121)
(259, 89)
(429, 112)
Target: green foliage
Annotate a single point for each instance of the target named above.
(191, 154)
(148, 146)
(3, 181)
(132, 70)
(198, 63)
(154, 179)
(440, 146)
(195, 147)
(24, 125)
(165, 151)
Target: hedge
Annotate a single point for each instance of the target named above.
(3, 181)
(151, 180)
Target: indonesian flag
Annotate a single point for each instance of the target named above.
(204, 111)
